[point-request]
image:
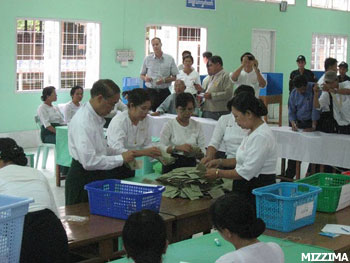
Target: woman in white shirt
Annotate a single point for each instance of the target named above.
(129, 130)
(44, 238)
(256, 157)
(236, 221)
(50, 116)
(190, 76)
(227, 133)
(181, 135)
(73, 106)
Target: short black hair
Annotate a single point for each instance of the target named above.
(299, 81)
(72, 91)
(187, 56)
(216, 60)
(207, 54)
(47, 91)
(246, 101)
(250, 56)
(238, 216)
(329, 62)
(186, 53)
(240, 89)
(144, 237)
(138, 97)
(183, 99)
(156, 38)
(11, 152)
(105, 87)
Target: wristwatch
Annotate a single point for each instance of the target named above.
(217, 173)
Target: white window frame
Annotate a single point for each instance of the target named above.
(329, 5)
(55, 79)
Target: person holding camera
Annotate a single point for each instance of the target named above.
(248, 73)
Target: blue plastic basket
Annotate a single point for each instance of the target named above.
(12, 212)
(286, 206)
(119, 199)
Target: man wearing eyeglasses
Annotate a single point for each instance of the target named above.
(218, 89)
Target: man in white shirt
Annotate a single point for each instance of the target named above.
(92, 159)
(330, 64)
(158, 71)
(249, 74)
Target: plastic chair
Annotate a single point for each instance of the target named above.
(45, 147)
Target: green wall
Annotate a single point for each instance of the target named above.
(229, 35)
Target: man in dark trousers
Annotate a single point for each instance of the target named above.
(301, 62)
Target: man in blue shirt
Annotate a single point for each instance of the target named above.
(301, 112)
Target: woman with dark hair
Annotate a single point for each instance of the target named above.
(256, 157)
(190, 76)
(182, 135)
(236, 222)
(227, 133)
(73, 106)
(144, 237)
(44, 238)
(129, 130)
(49, 115)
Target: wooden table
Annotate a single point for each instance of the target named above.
(100, 230)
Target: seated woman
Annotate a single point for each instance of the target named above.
(44, 238)
(236, 222)
(129, 130)
(227, 133)
(144, 237)
(180, 135)
(50, 116)
(256, 157)
(73, 106)
(190, 76)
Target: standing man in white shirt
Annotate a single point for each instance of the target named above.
(92, 159)
(158, 71)
(249, 74)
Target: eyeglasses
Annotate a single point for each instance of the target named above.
(190, 110)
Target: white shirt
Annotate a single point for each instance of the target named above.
(190, 80)
(122, 135)
(228, 132)
(24, 181)
(119, 106)
(341, 104)
(250, 79)
(257, 153)
(321, 80)
(256, 253)
(174, 134)
(49, 114)
(69, 110)
(87, 143)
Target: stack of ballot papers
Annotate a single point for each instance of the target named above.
(334, 230)
(190, 182)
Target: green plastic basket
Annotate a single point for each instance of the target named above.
(331, 185)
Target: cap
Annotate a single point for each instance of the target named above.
(343, 65)
(301, 57)
(330, 76)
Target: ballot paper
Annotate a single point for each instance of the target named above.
(344, 198)
(336, 229)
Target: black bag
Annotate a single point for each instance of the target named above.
(327, 123)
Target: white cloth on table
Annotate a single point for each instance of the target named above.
(174, 134)
(24, 181)
(69, 110)
(229, 133)
(257, 153)
(87, 143)
(260, 252)
(49, 114)
(248, 78)
(190, 80)
(122, 135)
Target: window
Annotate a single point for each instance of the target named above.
(324, 46)
(57, 53)
(290, 2)
(343, 5)
(177, 39)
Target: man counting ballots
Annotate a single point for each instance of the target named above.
(92, 159)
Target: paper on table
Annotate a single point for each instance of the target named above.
(344, 199)
(337, 229)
